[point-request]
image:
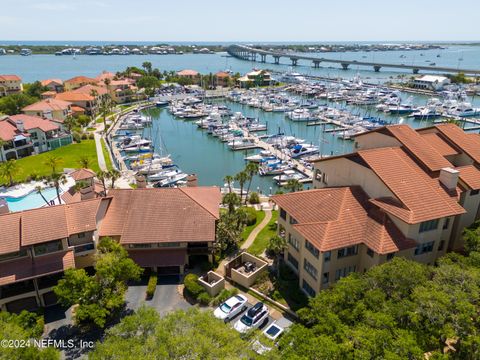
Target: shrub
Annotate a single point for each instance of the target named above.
(254, 198)
(224, 295)
(84, 136)
(77, 137)
(203, 298)
(152, 285)
(251, 216)
(91, 136)
(192, 286)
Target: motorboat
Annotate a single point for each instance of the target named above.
(302, 150)
(163, 175)
(288, 175)
(171, 180)
(262, 155)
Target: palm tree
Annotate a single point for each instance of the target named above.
(114, 175)
(229, 180)
(105, 107)
(9, 169)
(70, 122)
(38, 190)
(251, 169)
(103, 176)
(85, 162)
(53, 162)
(242, 178)
(276, 245)
(231, 200)
(147, 65)
(56, 180)
(293, 185)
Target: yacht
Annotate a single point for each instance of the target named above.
(171, 180)
(25, 52)
(261, 156)
(288, 175)
(302, 150)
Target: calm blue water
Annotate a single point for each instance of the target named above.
(30, 201)
(39, 67)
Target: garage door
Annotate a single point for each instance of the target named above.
(168, 270)
(29, 304)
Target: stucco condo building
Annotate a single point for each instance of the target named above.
(403, 192)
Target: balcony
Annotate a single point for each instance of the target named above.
(84, 249)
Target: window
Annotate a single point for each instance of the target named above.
(327, 256)
(390, 256)
(428, 225)
(283, 214)
(292, 261)
(441, 245)
(370, 252)
(325, 278)
(13, 255)
(474, 192)
(313, 250)
(49, 247)
(424, 248)
(446, 223)
(293, 220)
(169, 244)
(318, 175)
(292, 241)
(140, 246)
(308, 289)
(344, 272)
(309, 268)
(81, 235)
(325, 179)
(349, 251)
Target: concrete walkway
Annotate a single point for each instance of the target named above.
(101, 158)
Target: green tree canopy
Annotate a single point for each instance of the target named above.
(14, 103)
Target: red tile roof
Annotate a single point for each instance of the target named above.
(333, 218)
(466, 142)
(10, 233)
(7, 130)
(162, 215)
(82, 174)
(34, 122)
(439, 144)
(49, 81)
(470, 175)
(71, 96)
(422, 198)
(56, 104)
(89, 89)
(81, 80)
(187, 72)
(25, 268)
(10, 78)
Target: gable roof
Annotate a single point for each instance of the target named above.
(466, 142)
(162, 215)
(88, 89)
(80, 80)
(10, 78)
(470, 175)
(48, 105)
(82, 174)
(439, 144)
(418, 197)
(34, 122)
(334, 218)
(49, 81)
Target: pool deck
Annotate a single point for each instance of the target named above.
(24, 189)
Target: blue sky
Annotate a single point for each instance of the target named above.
(241, 20)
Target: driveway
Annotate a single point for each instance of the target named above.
(165, 299)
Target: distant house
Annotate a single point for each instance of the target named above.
(122, 91)
(48, 94)
(255, 78)
(52, 109)
(10, 84)
(78, 82)
(223, 78)
(55, 85)
(430, 82)
(189, 74)
(26, 134)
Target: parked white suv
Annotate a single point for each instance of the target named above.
(253, 318)
(231, 308)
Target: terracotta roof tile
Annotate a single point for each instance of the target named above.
(422, 197)
(10, 78)
(49, 81)
(439, 144)
(35, 122)
(82, 216)
(333, 218)
(470, 175)
(88, 89)
(82, 174)
(10, 233)
(44, 224)
(466, 142)
(161, 215)
(81, 80)
(7, 130)
(56, 104)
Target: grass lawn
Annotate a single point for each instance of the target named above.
(261, 242)
(106, 155)
(249, 229)
(70, 155)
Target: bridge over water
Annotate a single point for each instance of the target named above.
(249, 53)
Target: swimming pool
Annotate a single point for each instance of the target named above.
(31, 200)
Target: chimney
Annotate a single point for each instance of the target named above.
(20, 127)
(140, 180)
(87, 193)
(449, 178)
(192, 180)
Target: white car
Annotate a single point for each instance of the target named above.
(231, 308)
(253, 318)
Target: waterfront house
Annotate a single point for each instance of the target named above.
(192, 75)
(10, 84)
(78, 82)
(85, 97)
(223, 78)
(52, 109)
(430, 82)
(255, 78)
(122, 91)
(55, 85)
(402, 193)
(161, 229)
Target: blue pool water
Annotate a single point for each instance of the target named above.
(30, 201)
